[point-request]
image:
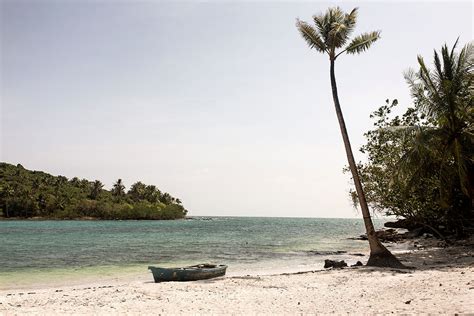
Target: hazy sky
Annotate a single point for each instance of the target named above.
(219, 103)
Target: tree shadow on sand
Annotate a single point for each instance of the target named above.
(459, 255)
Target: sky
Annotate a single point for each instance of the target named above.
(219, 103)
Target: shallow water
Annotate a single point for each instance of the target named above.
(59, 249)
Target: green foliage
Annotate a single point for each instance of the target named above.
(96, 189)
(118, 190)
(25, 193)
(385, 190)
(445, 97)
(420, 165)
(362, 42)
(332, 30)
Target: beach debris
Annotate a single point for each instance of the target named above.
(334, 264)
(357, 264)
(408, 302)
(403, 271)
(326, 252)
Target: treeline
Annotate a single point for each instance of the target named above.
(25, 193)
(420, 164)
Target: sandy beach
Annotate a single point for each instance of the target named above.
(442, 281)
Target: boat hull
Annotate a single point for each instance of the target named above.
(192, 273)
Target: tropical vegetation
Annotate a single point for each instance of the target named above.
(420, 165)
(26, 194)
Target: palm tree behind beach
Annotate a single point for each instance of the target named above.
(329, 36)
(444, 96)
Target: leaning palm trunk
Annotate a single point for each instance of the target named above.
(331, 32)
(379, 255)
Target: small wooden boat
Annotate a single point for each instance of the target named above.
(192, 273)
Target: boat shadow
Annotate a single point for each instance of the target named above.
(207, 281)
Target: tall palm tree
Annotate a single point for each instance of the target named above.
(118, 189)
(329, 36)
(137, 191)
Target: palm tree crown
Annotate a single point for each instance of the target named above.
(118, 188)
(332, 31)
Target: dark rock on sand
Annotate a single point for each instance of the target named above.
(401, 223)
(384, 235)
(334, 264)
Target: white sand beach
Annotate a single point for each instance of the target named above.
(443, 282)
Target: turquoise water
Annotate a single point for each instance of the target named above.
(241, 242)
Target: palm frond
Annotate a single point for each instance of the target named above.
(311, 36)
(465, 62)
(335, 26)
(448, 62)
(437, 62)
(454, 46)
(362, 42)
(338, 35)
(428, 84)
(350, 21)
(416, 88)
(323, 25)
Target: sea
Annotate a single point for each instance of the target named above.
(42, 251)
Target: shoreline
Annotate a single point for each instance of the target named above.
(60, 277)
(440, 283)
(33, 278)
(306, 260)
(84, 218)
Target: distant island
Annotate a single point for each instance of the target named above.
(35, 194)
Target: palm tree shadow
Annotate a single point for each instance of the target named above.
(436, 258)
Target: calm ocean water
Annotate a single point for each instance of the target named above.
(243, 243)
